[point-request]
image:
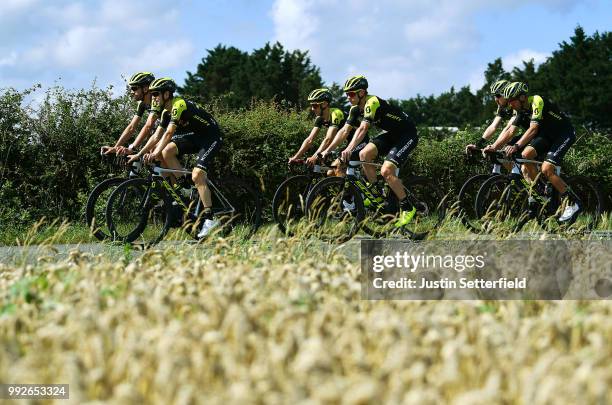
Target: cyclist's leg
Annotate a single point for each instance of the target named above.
(395, 159)
(180, 145)
(354, 156)
(368, 154)
(380, 145)
(537, 148)
(555, 155)
(208, 149)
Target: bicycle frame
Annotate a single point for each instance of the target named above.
(228, 207)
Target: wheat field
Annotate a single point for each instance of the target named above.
(282, 322)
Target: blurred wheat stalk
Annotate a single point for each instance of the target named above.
(282, 322)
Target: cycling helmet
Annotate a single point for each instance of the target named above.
(356, 83)
(515, 89)
(499, 86)
(320, 95)
(163, 84)
(141, 79)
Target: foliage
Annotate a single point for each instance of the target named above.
(50, 153)
(268, 73)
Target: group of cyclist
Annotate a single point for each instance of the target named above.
(181, 127)
(176, 126)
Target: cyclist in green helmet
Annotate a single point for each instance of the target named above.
(190, 130)
(138, 85)
(549, 135)
(397, 139)
(503, 112)
(325, 117)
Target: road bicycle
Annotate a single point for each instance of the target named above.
(289, 202)
(507, 197)
(340, 206)
(95, 208)
(143, 210)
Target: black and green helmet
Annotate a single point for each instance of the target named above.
(499, 86)
(356, 83)
(163, 84)
(141, 79)
(319, 95)
(515, 89)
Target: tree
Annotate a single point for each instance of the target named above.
(267, 73)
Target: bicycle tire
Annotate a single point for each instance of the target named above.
(591, 197)
(246, 201)
(331, 219)
(466, 201)
(134, 206)
(499, 199)
(431, 207)
(289, 202)
(95, 209)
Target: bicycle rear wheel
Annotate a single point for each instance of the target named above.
(430, 203)
(289, 202)
(335, 207)
(591, 198)
(138, 211)
(95, 210)
(502, 199)
(466, 202)
(246, 203)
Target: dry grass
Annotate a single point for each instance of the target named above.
(282, 322)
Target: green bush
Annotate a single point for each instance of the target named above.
(49, 154)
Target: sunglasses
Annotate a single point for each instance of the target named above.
(351, 93)
(497, 95)
(315, 105)
(133, 88)
(155, 93)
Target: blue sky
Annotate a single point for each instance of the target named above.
(404, 47)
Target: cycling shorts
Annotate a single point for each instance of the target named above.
(396, 146)
(205, 146)
(554, 148)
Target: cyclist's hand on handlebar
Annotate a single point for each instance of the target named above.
(132, 158)
(470, 148)
(107, 150)
(311, 161)
(292, 161)
(346, 155)
(122, 150)
(510, 150)
(487, 149)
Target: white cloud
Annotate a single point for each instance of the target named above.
(403, 47)
(80, 41)
(524, 55)
(9, 60)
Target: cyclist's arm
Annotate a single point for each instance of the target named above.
(146, 130)
(529, 134)
(128, 131)
(341, 135)
(488, 133)
(165, 139)
(307, 143)
(359, 135)
(329, 136)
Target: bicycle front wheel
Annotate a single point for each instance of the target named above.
(138, 211)
(95, 210)
(289, 202)
(502, 199)
(466, 202)
(335, 208)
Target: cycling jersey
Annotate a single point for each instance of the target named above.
(191, 117)
(336, 119)
(384, 115)
(550, 119)
(504, 112)
(141, 108)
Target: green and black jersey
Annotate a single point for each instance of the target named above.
(546, 114)
(504, 112)
(191, 117)
(141, 107)
(385, 116)
(336, 119)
